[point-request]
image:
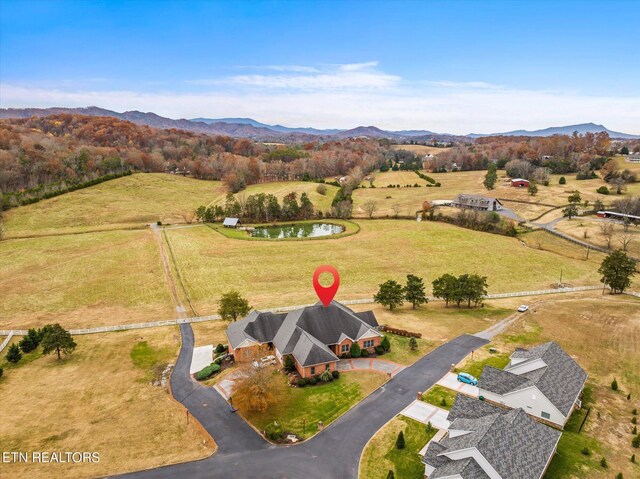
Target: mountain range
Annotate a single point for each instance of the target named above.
(250, 128)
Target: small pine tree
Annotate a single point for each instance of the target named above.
(400, 441)
(619, 476)
(603, 463)
(629, 397)
(636, 441)
(635, 430)
(1, 372)
(30, 342)
(586, 451)
(386, 344)
(391, 475)
(443, 402)
(634, 420)
(634, 412)
(633, 458)
(413, 344)
(614, 384)
(355, 350)
(289, 365)
(14, 355)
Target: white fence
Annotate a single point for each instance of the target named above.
(6, 340)
(215, 317)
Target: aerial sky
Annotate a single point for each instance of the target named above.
(450, 67)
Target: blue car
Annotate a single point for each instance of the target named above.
(467, 378)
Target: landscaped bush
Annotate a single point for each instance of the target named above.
(326, 377)
(364, 353)
(562, 181)
(274, 431)
(335, 374)
(355, 350)
(302, 382)
(312, 380)
(379, 350)
(207, 372)
(221, 348)
(400, 332)
(386, 344)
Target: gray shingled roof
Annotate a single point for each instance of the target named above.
(515, 445)
(257, 326)
(470, 408)
(501, 382)
(561, 380)
(305, 333)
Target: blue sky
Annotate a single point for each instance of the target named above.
(458, 67)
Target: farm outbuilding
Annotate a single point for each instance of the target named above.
(519, 183)
(231, 222)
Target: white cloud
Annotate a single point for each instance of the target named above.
(341, 96)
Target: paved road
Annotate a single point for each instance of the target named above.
(334, 453)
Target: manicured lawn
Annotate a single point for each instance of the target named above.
(436, 394)
(381, 454)
(97, 399)
(83, 280)
(402, 353)
(300, 409)
(484, 358)
(211, 264)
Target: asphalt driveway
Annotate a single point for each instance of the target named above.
(335, 452)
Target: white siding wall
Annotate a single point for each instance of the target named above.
(531, 400)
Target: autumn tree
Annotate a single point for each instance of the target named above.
(254, 386)
(606, 230)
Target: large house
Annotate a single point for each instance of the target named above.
(544, 381)
(315, 336)
(477, 202)
(489, 442)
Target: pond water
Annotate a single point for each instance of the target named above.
(308, 230)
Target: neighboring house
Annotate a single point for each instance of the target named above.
(230, 222)
(314, 336)
(519, 183)
(544, 381)
(633, 158)
(477, 202)
(489, 442)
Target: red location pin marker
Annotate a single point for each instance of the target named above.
(326, 294)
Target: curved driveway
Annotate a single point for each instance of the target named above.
(333, 453)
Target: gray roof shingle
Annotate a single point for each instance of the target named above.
(515, 445)
(305, 333)
(560, 379)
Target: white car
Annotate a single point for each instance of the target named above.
(523, 308)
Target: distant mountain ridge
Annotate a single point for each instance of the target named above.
(250, 128)
(581, 128)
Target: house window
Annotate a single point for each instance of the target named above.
(545, 415)
(313, 370)
(368, 343)
(344, 348)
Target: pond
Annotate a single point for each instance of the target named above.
(307, 230)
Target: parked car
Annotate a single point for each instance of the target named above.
(467, 378)
(523, 308)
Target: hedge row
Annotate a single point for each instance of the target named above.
(207, 372)
(426, 178)
(400, 332)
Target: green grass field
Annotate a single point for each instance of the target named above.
(381, 454)
(298, 410)
(275, 273)
(131, 201)
(83, 280)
